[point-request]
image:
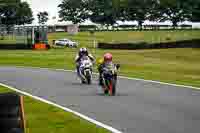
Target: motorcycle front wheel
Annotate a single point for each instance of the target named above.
(88, 77)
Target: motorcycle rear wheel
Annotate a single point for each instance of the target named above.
(114, 87)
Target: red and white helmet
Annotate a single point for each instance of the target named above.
(107, 57)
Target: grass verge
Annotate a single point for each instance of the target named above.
(7, 40)
(44, 118)
(86, 39)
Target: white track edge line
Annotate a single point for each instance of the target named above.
(109, 128)
(123, 77)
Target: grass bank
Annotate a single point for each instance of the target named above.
(44, 118)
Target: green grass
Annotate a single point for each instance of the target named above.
(180, 66)
(7, 40)
(44, 118)
(85, 38)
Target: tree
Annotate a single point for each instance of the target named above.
(8, 9)
(195, 11)
(123, 10)
(42, 17)
(74, 10)
(139, 10)
(155, 13)
(99, 11)
(105, 12)
(175, 10)
(8, 17)
(24, 14)
(108, 12)
(15, 12)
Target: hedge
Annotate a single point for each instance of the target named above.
(17, 46)
(14, 46)
(195, 43)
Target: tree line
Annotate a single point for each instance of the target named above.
(15, 12)
(108, 12)
(105, 12)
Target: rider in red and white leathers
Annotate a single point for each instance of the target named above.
(106, 63)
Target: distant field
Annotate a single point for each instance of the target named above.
(44, 118)
(179, 66)
(86, 39)
(7, 40)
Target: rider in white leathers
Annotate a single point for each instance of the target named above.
(82, 52)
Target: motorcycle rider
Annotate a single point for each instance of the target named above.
(107, 63)
(82, 52)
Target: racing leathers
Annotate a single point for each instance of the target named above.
(78, 61)
(102, 67)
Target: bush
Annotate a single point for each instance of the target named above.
(195, 43)
(14, 46)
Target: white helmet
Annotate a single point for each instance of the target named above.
(83, 51)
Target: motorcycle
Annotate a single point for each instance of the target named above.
(110, 80)
(86, 70)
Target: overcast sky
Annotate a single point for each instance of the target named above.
(44, 5)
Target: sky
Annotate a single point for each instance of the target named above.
(51, 6)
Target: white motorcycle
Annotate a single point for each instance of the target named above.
(85, 70)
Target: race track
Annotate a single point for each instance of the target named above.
(139, 107)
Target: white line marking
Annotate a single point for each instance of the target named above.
(122, 77)
(158, 82)
(113, 130)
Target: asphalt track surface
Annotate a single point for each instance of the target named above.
(139, 107)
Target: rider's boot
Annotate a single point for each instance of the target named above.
(78, 71)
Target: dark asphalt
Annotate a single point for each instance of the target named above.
(139, 107)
